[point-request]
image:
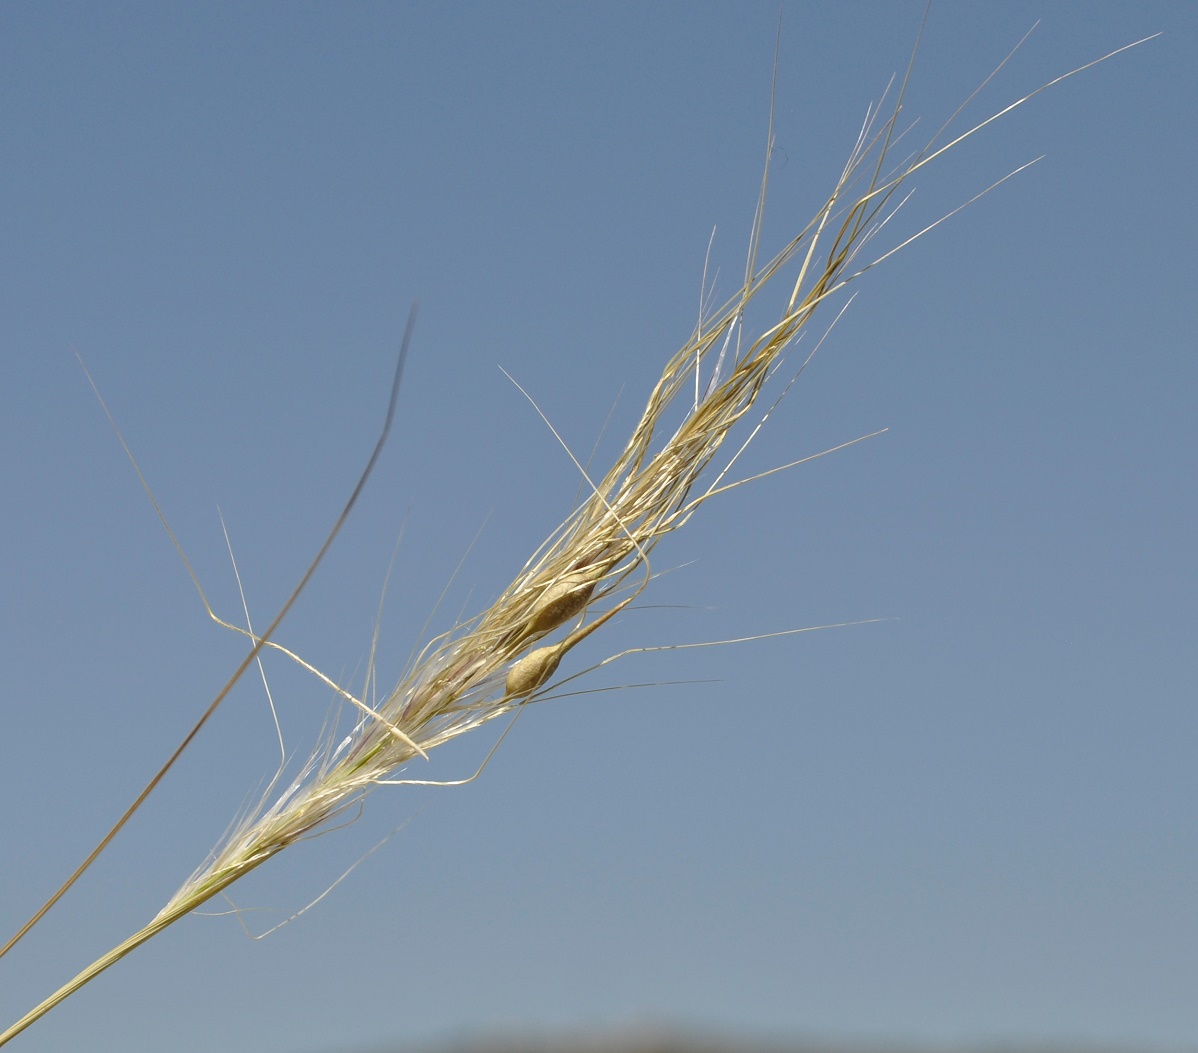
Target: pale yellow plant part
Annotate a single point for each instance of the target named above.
(596, 562)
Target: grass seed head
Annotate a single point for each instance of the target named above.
(654, 486)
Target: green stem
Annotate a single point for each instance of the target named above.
(200, 897)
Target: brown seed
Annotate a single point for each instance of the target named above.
(531, 671)
(562, 600)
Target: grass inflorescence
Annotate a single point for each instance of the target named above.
(596, 562)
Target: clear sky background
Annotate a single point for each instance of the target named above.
(973, 822)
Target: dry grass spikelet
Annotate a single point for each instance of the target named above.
(533, 670)
(561, 600)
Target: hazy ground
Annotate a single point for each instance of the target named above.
(664, 1042)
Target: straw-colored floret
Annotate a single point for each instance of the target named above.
(532, 671)
(561, 600)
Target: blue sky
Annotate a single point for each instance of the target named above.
(972, 822)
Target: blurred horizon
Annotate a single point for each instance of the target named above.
(682, 1040)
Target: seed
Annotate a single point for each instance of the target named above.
(563, 599)
(531, 671)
